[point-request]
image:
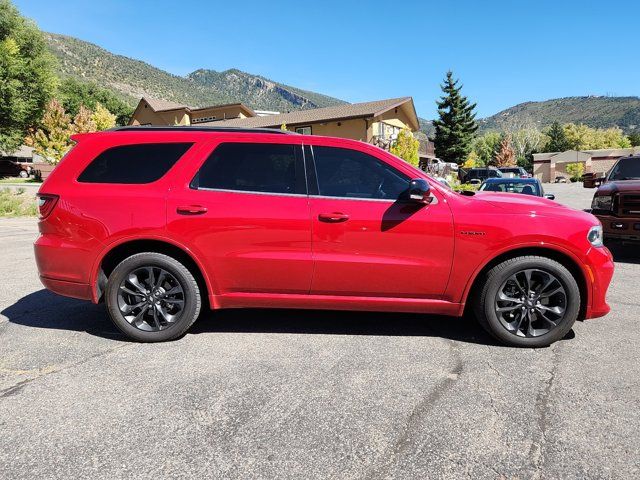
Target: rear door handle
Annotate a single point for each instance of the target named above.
(191, 210)
(334, 217)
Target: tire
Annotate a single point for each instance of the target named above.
(162, 318)
(23, 174)
(527, 322)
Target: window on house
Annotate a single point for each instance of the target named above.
(253, 167)
(140, 163)
(303, 130)
(349, 173)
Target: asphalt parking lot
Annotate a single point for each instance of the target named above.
(294, 394)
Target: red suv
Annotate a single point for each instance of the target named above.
(158, 222)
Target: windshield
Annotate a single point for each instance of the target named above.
(512, 187)
(626, 169)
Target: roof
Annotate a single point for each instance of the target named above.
(160, 105)
(197, 128)
(339, 112)
(226, 105)
(511, 180)
(22, 151)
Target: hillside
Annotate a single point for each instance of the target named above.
(131, 79)
(594, 111)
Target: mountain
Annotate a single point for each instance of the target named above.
(594, 111)
(131, 79)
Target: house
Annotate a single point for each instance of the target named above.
(548, 166)
(151, 111)
(371, 122)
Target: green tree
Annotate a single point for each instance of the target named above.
(456, 125)
(634, 139)
(575, 170)
(406, 147)
(73, 93)
(103, 118)
(52, 139)
(485, 147)
(557, 139)
(27, 80)
(472, 161)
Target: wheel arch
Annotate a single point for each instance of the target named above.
(566, 259)
(117, 252)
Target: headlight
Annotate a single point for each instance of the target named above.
(603, 202)
(595, 236)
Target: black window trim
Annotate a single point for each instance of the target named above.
(192, 186)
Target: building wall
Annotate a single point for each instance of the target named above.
(232, 111)
(146, 116)
(354, 129)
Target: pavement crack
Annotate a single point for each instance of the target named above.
(411, 430)
(543, 401)
(15, 389)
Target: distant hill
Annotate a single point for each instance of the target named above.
(594, 111)
(131, 79)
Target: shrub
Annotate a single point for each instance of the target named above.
(575, 171)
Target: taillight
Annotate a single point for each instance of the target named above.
(46, 202)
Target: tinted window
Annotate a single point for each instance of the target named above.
(528, 188)
(142, 163)
(348, 173)
(253, 167)
(626, 169)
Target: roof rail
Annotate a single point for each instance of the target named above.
(186, 128)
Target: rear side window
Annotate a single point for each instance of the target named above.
(253, 167)
(141, 163)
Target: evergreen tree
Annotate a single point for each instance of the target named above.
(456, 125)
(27, 80)
(558, 141)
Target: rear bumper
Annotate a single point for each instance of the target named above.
(64, 266)
(82, 291)
(600, 269)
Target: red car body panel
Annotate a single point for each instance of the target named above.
(276, 250)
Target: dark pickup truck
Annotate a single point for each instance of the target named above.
(616, 203)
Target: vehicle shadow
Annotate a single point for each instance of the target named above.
(43, 309)
(624, 253)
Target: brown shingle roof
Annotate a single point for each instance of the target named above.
(160, 105)
(339, 112)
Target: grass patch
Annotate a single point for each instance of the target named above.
(17, 203)
(18, 180)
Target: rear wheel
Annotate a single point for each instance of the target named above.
(152, 297)
(528, 301)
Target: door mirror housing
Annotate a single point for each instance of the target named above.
(419, 191)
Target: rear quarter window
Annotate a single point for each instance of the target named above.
(131, 164)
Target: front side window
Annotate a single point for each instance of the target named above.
(253, 167)
(140, 163)
(349, 173)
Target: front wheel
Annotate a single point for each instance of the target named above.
(152, 297)
(528, 301)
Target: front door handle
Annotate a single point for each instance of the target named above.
(334, 217)
(191, 210)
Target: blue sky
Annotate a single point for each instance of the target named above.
(505, 52)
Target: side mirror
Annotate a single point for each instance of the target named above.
(419, 191)
(550, 196)
(589, 180)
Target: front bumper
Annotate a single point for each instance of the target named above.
(620, 228)
(599, 265)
